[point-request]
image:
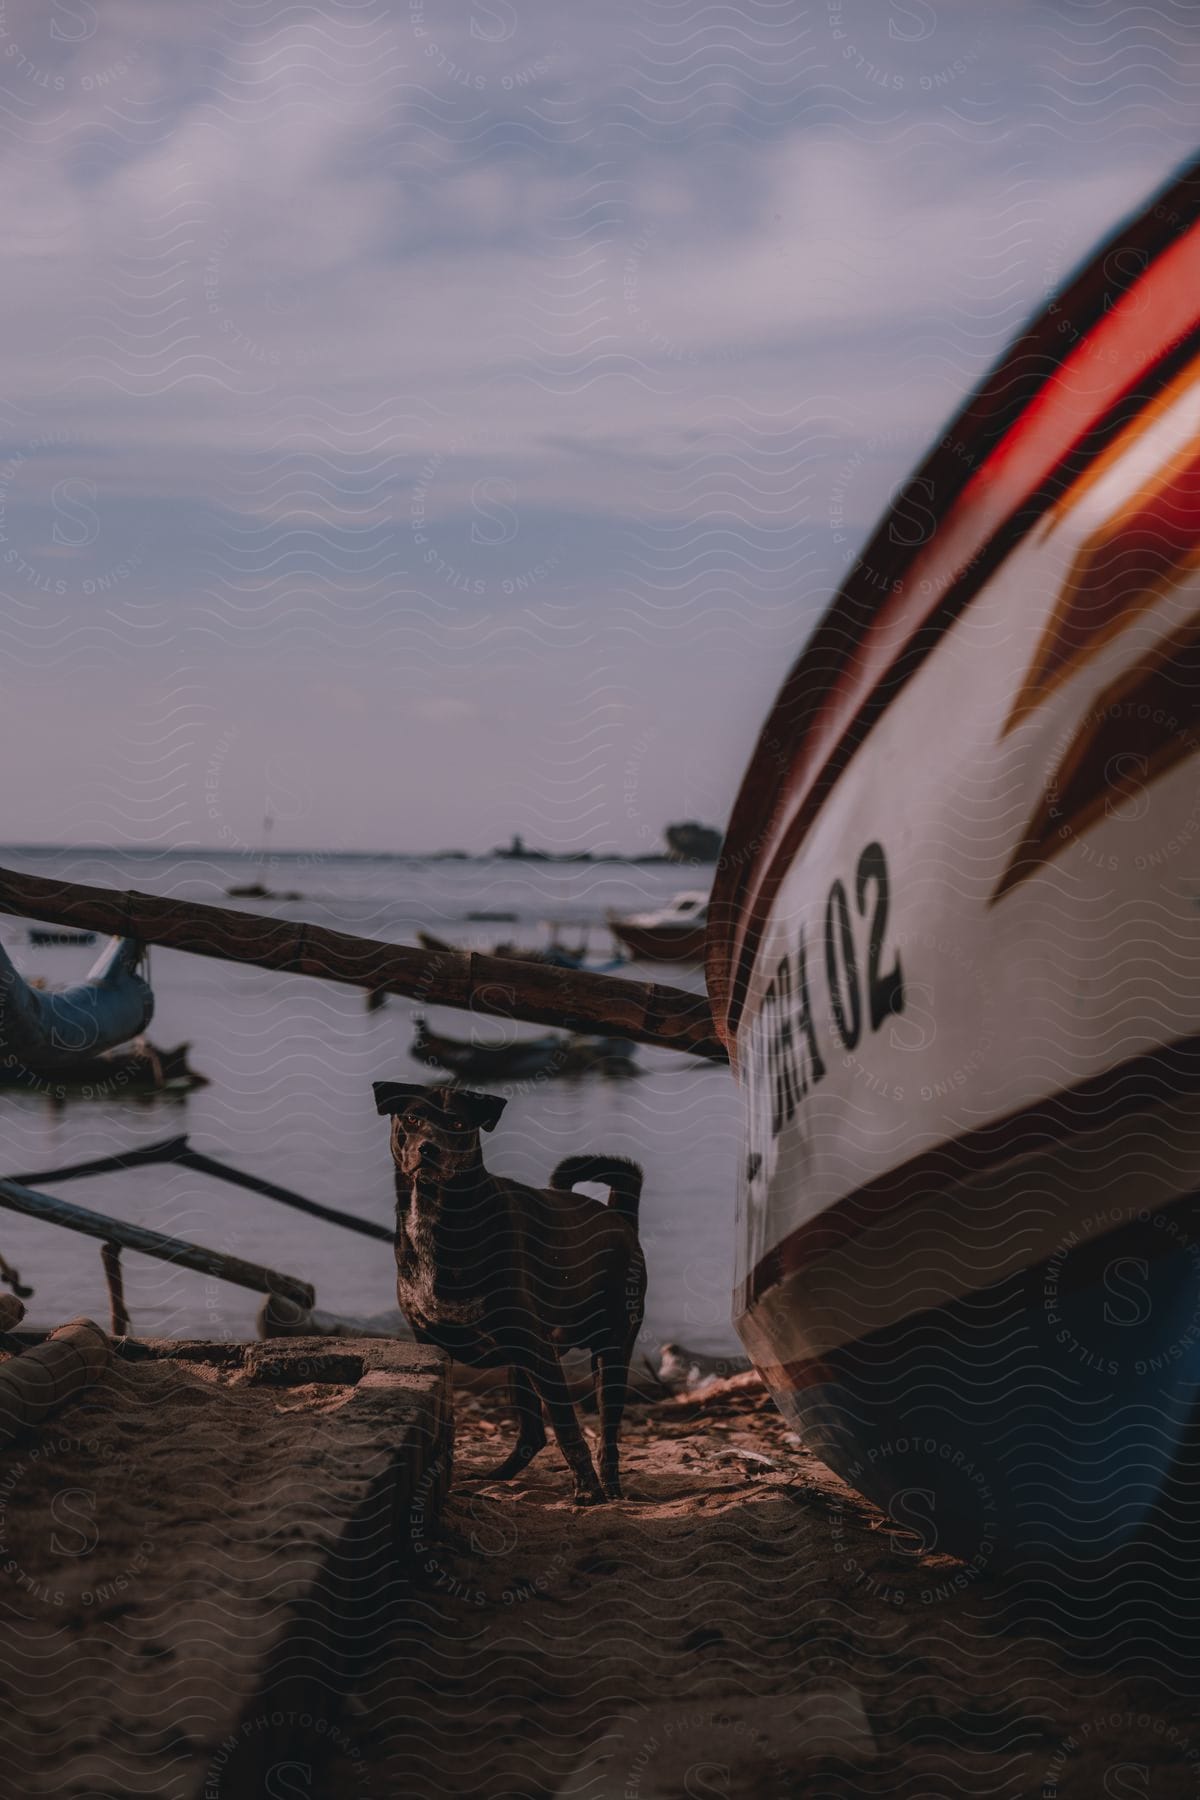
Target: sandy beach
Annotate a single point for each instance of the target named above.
(741, 1624)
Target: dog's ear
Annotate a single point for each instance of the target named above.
(481, 1109)
(393, 1096)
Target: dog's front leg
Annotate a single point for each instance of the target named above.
(551, 1384)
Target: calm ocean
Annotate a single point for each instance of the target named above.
(291, 1062)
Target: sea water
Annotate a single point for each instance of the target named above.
(290, 1062)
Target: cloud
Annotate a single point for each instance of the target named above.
(664, 300)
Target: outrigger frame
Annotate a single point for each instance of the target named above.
(572, 999)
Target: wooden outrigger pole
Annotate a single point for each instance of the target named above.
(178, 1150)
(502, 987)
(121, 1235)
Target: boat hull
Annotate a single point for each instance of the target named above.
(1038, 1397)
(955, 955)
(49, 1031)
(1043, 1468)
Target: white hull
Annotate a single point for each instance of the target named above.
(957, 944)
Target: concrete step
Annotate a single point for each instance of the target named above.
(199, 1551)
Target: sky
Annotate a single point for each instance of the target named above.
(426, 421)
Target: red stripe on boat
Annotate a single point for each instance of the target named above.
(866, 648)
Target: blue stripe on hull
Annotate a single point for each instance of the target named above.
(1033, 1422)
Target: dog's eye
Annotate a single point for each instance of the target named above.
(411, 1120)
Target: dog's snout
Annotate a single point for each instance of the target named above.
(428, 1152)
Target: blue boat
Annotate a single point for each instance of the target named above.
(58, 1031)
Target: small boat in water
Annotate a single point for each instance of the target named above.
(484, 1062)
(135, 1071)
(675, 933)
(554, 955)
(954, 955)
(257, 890)
(554, 1054)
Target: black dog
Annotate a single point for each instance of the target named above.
(499, 1273)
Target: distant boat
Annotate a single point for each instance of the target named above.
(258, 889)
(554, 1054)
(255, 890)
(554, 955)
(517, 852)
(675, 933)
(43, 936)
(482, 1062)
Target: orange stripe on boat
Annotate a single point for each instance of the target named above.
(1150, 545)
(854, 667)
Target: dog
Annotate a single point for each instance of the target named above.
(500, 1274)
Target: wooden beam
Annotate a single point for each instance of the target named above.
(178, 1150)
(142, 1155)
(502, 987)
(254, 1184)
(154, 1243)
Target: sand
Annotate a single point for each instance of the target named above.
(741, 1624)
(175, 1533)
(623, 1650)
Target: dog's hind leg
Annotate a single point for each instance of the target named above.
(531, 1429)
(551, 1384)
(611, 1368)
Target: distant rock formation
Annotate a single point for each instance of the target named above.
(517, 852)
(691, 842)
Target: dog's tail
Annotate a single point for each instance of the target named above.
(623, 1177)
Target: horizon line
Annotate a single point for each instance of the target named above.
(319, 855)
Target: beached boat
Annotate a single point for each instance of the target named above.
(954, 952)
(675, 933)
